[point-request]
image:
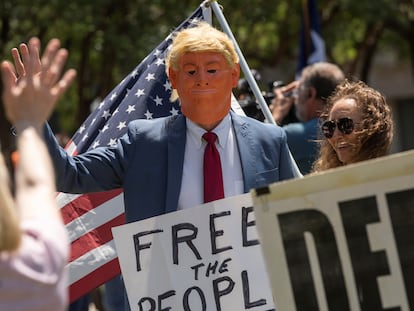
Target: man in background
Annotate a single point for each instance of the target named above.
(308, 95)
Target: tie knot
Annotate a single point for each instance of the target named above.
(210, 137)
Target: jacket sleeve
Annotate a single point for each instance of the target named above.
(97, 170)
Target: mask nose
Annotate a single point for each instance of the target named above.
(202, 79)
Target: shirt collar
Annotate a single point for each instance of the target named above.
(221, 130)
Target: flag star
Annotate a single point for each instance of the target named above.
(101, 104)
(159, 62)
(157, 52)
(121, 125)
(148, 114)
(106, 127)
(169, 36)
(113, 96)
(167, 85)
(123, 81)
(93, 121)
(81, 129)
(85, 137)
(195, 20)
(150, 77)
(112, 142)
(145, 59)
(174, 111)
(127, 92)
(115, 111)
(106, 114)
(158, 101)
(130, 109)
(140, 92)
(134, 73)
(96, 144)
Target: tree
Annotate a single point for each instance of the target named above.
(108, 38)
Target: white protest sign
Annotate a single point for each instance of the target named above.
(342, 239)
(203, 258)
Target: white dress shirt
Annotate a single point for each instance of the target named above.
(192, 192)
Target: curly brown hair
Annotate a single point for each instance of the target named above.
(376, 133)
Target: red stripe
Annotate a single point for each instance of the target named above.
(95, 238)
(93, 280)
(85, 203)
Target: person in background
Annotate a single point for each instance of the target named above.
(34, 245)
(282, 105)
(203, 68)
(308, 95)
(356, 124)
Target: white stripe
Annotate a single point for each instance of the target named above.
(91, 261)
(96, 217)
(71, 149)
(65, 198)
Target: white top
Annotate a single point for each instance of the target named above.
(192, 192)
(34, 278)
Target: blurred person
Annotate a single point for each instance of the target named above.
(203, 68)
(34, 245)
(282, 104)
(357, 125)
(308, 95)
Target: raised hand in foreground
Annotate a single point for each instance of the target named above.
(32, 85)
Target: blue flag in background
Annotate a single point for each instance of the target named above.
(312, 46)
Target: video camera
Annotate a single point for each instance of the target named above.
(248, 101)
(246, 96)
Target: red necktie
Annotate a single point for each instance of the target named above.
(213, 179)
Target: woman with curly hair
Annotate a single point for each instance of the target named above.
(356, 125)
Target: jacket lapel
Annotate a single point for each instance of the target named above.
(245, 144)
(176, 132)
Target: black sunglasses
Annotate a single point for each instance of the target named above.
(345, 125)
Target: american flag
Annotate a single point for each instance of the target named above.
(143, 94)
(312, 45)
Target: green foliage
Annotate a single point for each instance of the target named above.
(107, 38)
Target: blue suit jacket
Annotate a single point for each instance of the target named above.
(148, 163)
(302, 140)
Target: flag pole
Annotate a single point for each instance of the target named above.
(246, 70)
(207, 15)
(243, 64)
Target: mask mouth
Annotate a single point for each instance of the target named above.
(201, 91)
